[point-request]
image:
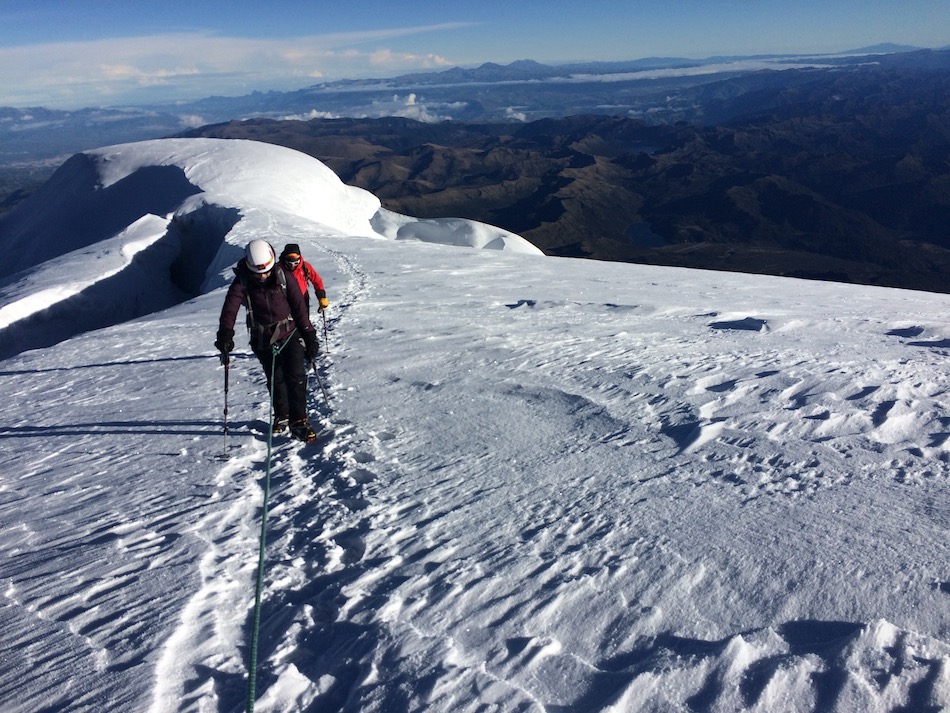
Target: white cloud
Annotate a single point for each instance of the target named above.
(388, 58)
(173, 66)
(192, 121)
(700, 69)
(310, 115)
(412, 106)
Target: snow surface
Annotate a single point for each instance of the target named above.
(545, 484)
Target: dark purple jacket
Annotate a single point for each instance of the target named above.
(273, 311)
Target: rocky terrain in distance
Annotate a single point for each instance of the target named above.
(826, 175)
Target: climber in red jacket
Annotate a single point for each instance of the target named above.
(295, 265)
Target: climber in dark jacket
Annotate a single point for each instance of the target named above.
(281, 333)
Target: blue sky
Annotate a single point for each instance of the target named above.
(70, 54)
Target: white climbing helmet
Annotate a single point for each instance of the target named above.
(259, 256)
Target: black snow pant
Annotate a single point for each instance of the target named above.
(289, 388)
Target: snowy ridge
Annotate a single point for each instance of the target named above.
(188, 199)
(544, 485)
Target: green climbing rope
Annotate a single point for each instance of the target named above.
(261, 557)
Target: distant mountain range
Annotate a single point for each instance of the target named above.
(649, 88)
(832, 167)
(529, 70)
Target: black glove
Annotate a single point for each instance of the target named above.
(311, 345)
(225, 341)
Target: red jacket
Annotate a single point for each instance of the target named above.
(304, 272)
(273, 312)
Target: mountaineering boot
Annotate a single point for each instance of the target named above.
(302, 432)
(280, 423)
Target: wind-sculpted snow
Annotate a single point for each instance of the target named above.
(449, 231)
(97, 286)
(543, 485)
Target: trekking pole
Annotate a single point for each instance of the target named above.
(226, 362)
(326, 339)
(313, 365)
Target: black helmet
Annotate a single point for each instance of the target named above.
(291, 251)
